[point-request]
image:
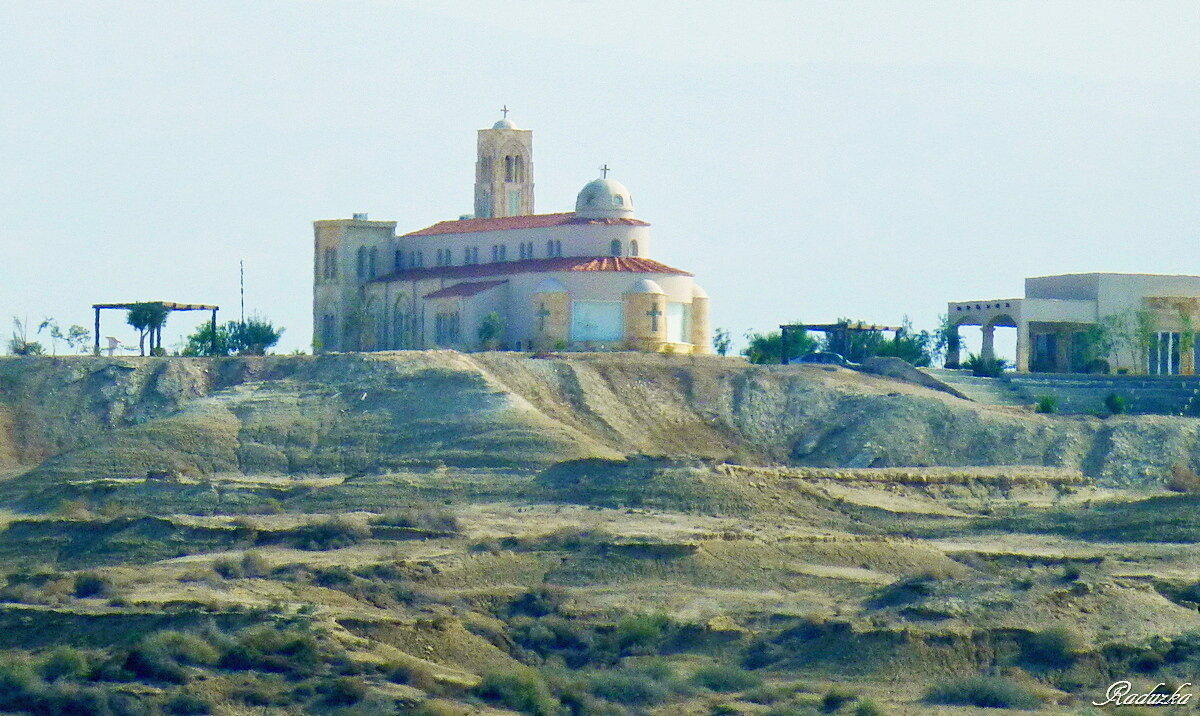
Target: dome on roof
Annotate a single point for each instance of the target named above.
(604, 199)
(505, 123)
(645, 285)
(550, 285)
(698, 292)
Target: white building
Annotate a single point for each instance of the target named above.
(1136, 323)
(507, 277)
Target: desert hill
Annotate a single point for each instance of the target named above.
(441, 533)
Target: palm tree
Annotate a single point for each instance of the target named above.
(149, 319)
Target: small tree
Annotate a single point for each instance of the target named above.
(1145, 331)
(1187, 334)
(149, 319)
(765, 347)
(855, 346)
(200, 342)
(491, 330)
(76, 337)
(947, 342)
(722, 341)
(916, 348)
(254, 336)
(19, 344)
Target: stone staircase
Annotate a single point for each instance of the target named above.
(990, 391)
(1082, 394)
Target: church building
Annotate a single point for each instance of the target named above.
(505, 278)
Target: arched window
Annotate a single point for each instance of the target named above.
(615, 248)
(371, 254)
(633, 248)
(329, 271)
(519, 169)
(618, 200)
(510, 168)
(361, 265)
(398, 260)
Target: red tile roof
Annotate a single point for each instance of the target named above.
(465, 289)
(506, 223)
(559, 263)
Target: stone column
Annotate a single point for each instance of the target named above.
(551, 316)
(953, 347)
(646, 319)
(700, 338)
(988, 350)
(1023, 346)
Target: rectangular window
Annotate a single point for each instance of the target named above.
(371, 263)
(1164, 354)
(678, 322)
(514, 203)
(398, 261)
(597, 320)
(446, 328)
(327, 332)
(1045, 352)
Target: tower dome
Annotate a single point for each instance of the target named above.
(505, 123)
(603, 199)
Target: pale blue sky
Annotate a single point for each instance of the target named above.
(806, 160)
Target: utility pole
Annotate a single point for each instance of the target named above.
(242, 282)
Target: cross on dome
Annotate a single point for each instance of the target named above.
(504, 111)
(604, 170)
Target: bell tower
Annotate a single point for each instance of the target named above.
(504, 170)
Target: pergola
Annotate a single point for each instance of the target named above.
(839, 332)
(169, 305)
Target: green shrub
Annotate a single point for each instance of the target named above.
(255, 565)
(520, 689)
(18, 680)
(162, 655)
(538, 602)
(228, 568)
(332, 533)
(866, 707)
(65, 662)
(424, 517)
(188, 703)
(983, 692)
(269, 648)
(642, 632)
(834, 699)
(1047, 404)
(1116, 403)
(345, 691)
(627, 687)
(984, 368)
(1057, 647)
(90, 584)
(725, 678)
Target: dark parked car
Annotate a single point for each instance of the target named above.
(824, 358)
